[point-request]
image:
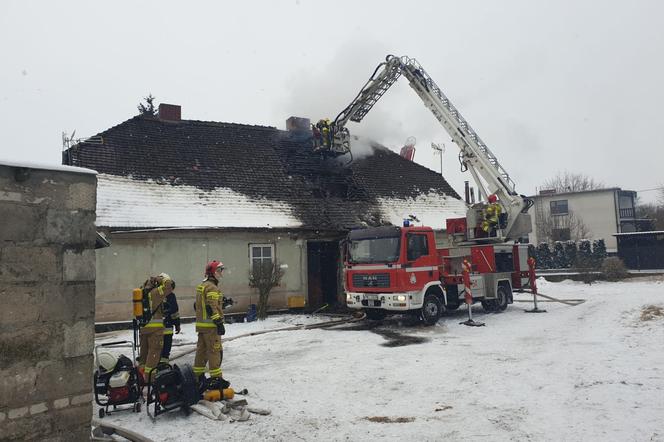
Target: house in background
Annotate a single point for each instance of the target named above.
(590, 214)
(174, 194)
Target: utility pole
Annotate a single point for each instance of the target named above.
(439, 149)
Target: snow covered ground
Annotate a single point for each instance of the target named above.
(589, 372)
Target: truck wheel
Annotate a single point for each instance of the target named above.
(502, 296)
(432, 309)
(375, 314)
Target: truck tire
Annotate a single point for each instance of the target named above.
(432, 309)
(375, 314)
(503, 294)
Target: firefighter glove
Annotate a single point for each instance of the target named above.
(221, 330)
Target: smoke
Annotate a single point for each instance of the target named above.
(324, 91)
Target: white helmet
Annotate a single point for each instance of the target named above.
(164, 276)
(106, 360)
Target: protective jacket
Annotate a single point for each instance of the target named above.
(208, 306)
(157, 297)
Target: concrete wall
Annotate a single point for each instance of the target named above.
(183, 255)
(597, 210)
(47, 272)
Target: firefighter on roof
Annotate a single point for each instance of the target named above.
(156, 289)
(322, 134)
(210, 326)
(171, 319)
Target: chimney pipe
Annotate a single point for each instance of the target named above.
(298, 124)
(170, 112)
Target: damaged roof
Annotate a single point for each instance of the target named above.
(161, 174)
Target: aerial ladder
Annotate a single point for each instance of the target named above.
(489, 175)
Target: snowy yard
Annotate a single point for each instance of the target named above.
(590, 372)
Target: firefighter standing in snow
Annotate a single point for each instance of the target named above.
(210, 326)
(171, 318)
(152, 333)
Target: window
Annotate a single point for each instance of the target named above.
(417, 246)
(373, 250)
(560, 234)
(558, 207)
(261, 253)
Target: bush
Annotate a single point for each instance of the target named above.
(599, 251)
(543, 256)
(614, 269)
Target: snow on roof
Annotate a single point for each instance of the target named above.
(44, 166)
(431, 209)
(125, 202)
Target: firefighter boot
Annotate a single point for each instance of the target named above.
(218, 383)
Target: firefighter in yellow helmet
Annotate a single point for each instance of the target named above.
(491, 214)
(210, 326)
(156, 288)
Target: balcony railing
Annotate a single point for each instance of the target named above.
(627, 213)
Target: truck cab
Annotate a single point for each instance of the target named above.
(392, 269)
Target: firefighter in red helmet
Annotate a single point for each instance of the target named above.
(491, 214)
(210, 326)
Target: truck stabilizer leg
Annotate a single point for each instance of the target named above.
(470, 322)
(468, 296)
(535, 309)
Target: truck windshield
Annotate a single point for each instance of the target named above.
(364, 251)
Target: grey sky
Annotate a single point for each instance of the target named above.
(548, 85)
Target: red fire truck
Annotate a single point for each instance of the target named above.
(400, 269)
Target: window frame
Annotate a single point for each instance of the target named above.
(558, 203)
(426, 245)
(262, 258)
(556, 234)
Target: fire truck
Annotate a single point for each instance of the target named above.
(399, 269)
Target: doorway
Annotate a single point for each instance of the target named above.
(322, 273)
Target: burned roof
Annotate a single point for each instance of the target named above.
(255, 166)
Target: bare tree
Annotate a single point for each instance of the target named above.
(147, 108)
(264, 277)
(560, 227)
(660, 195)
(571, 182)
(653, 212)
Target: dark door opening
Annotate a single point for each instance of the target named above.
(322, 272)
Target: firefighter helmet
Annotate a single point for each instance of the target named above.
(493, 198)
(106, 360)
(213, 266)
(164, 276)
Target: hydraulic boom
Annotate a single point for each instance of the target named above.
(491, 178)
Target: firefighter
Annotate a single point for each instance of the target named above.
(491, 214)
(152, 332)
(210, 327)
(323, 127)
(171, 318)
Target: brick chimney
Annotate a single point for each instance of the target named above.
(298, 124)
(169, 112)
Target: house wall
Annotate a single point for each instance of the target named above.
(597, 209)
(47, 272)
(132, 257)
